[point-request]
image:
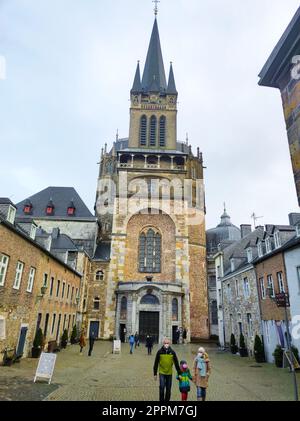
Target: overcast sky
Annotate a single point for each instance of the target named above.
(69, 69)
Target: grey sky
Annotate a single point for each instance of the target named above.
(70, 67)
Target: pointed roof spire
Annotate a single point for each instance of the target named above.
(137, 87)
(154, 77)
(171, 84)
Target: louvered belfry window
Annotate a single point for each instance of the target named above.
(153, 124)
(162, 131)
(150, 252)
(143, 131)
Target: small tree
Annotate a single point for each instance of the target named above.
(243, 349)
(38, 339)
(233, 345)
(74, 335)
(278, 355)
(64, 339)
(259, 352)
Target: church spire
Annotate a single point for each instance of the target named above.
(137, 87)
(171, 84)
(154, 77)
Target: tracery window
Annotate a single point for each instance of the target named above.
(150, 252)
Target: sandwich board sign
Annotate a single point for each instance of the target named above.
(117, 346)
(45, 366)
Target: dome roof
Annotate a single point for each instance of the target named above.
(225, 231)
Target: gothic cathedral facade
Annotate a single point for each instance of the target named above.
(151, 253)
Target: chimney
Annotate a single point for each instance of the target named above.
(260, 227)
(245, 230)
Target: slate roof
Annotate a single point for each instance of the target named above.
(121, 145)
(280, 58)
(61, 198)
(238, 251)
(171, 84)
(154, 77)
(225, 231)
(137, 86)
(102, 251)
(6, 201)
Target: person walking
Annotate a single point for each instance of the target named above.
(136, 340)
(164, 361)
(202, 370)
(82, 342)
(92, 338)
(184, 335)
(131, 343)
(184, 380)
(149, 344)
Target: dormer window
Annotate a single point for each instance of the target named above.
(11, 214)
(50, 208)
(268, 245)
(277, 240)
(249, 254)
(27, 208)
(232, 265)
(260, 249)
(71, 209)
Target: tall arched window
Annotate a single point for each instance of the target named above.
(143, 131)
(153, 124)
(150, 252)
(175, 309)
(123, 314)
(162, 131)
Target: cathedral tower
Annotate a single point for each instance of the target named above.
(155, 276)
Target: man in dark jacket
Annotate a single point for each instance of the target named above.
(164, 361)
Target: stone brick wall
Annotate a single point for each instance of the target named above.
(21, 307)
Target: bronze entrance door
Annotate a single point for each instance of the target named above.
(149, 325)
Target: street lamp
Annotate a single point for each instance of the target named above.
(282, 300)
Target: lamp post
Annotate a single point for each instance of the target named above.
(282, 300)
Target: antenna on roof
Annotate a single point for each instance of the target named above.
(255, 218)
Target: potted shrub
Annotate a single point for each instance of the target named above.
(233, 345)
(73, 338)
(64, 339)
(259, 352)
(296, 353)
(243, 350)
(37, 344)
(278, 355)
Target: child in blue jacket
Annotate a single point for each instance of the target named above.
(184, 380)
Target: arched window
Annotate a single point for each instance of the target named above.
(214, 312)
(99, 275)
(150, 252)
(96, 303)
(143, 131)
(123, 314)
(175, 309)
(162, 131)
(149, 299)
(153, 124)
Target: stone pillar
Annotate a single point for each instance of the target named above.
(117, 324)
(132, 156)
(129, 315)
(185, 163)
(145, 166)
(133, 314)
(172, 162)
(158, 161)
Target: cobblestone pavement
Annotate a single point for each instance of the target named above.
(108, 377)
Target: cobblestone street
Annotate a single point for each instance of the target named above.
(108, 377)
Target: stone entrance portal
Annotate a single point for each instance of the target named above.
(149, 325)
